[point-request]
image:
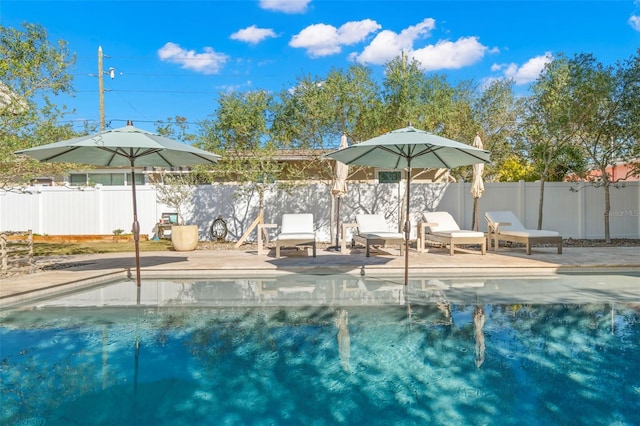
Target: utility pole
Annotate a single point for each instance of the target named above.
(101, 73)
(101, 87)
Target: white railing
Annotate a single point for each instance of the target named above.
(575, 210)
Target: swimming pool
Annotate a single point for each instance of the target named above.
(561, 349)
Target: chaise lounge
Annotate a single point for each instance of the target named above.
(442, 228)
(505, 226)
(296, 230)
(373, 230)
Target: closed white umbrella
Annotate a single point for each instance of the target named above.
(339, 187)
(477, 184)
(478, 333)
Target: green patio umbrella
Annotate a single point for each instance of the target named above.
(409, 148)
(124, 146)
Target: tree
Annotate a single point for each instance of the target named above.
(31, 72)
(314, 114)
(303, 120)
(176, 128)
(403, 95)
(240, 130)
(496, 114)
(174, 190)
(548, 129)
(606, 113)
(514, 168)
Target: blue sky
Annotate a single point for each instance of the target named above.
(175, 57)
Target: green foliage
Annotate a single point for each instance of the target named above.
(605, 113)
(514, 169)
(174, 189)
(240, 130)
(176, 128)
(31, 71)
(550, 136)
(496, 114)
(581, 115)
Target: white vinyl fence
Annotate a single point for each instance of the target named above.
(575, 210)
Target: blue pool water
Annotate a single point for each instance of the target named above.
(327, 350)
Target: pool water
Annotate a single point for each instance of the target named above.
(345, 350)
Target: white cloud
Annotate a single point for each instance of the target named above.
(207, 62)
(253, 34)
(526, 73)
(285, 6)
(634, 21)
(323, 40)
(450, 55)
(388, 44)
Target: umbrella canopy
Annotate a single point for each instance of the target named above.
(339, 187)
(407, 148)
(120, 148)
(125, 146)
(410, 147)
(477, 184)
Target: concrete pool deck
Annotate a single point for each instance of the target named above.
(66, 272)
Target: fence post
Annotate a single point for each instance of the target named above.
(461, 206)
(521, 197)
(582, 211)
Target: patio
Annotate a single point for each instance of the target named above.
(69, 272)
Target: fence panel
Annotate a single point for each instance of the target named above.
(575, 210)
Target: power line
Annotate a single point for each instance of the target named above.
(192, 75)
(186, 92)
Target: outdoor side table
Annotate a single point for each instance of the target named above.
(343, 240)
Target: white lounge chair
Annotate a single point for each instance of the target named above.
(505, 226)
(296, 230)
(442, 228)
(374, 230)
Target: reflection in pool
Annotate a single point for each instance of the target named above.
(328, 350)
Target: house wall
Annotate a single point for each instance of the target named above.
(573, 209)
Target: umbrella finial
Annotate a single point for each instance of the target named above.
(129, 123)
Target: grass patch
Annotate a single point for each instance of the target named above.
(61, 249)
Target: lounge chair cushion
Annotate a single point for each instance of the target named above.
(459, 234)
(372, 223)
(441, 221)
(505, 226)
(297, 224)
(531, 233)
(374, 226)
(441, 227)
(297, 229)
(297, 236)
(515, 227)
(373, 229)
(444, 224)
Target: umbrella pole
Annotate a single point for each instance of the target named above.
(136, 226)
(407, 228)
(474, 216)
(338, 223)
